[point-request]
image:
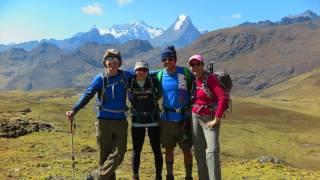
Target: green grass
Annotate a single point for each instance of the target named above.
(260, 129)
(254, 128)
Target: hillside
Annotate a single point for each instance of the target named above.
(251, 131)
(48, 67)
(304, 86)
(300, 94)
(257, 56)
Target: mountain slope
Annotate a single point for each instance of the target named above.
(259, 57)
(256, 56)
(300, 94)
(304, 86)
(48, 67)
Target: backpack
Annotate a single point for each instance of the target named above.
(156, 93)
(223, 77)
(225, 82)
(103, 75)
(186, 73)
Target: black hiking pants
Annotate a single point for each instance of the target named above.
(138, 134)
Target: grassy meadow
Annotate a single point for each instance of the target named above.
(256, 126)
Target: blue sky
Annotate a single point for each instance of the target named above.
(25, 20)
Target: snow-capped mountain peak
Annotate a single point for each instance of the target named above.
(134, 30)
(139, 23)
(182, 32)
(181, 19)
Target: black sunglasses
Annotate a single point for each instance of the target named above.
(110, 58)
(195, 64)
(142, 69)
(169, 59)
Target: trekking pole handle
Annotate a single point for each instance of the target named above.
(210, 66)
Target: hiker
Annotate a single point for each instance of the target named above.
(111, 125)
(209, 102)
(144, 93)
(175, 83)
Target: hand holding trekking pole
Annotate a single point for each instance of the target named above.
(70, 117)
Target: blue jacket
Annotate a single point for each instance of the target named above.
(175, 93)
(111, 103)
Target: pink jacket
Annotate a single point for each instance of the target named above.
(201, 101)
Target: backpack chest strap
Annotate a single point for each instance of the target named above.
(177, 110)
(199, 107)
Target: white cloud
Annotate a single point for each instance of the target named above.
(233, 16)
(93, 9)
(236, 16)
(124, 2)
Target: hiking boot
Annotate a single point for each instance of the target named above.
(135, 177)
(94, 175)
(90, 177)
(113, 176)
(170, 177)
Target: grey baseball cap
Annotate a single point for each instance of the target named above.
(141, 64)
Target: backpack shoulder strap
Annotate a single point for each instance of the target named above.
(153, 88)
(187, 74)
(104, 84)
(156, 86)
(159, 76)
(206, 87)
(124, 79)
(131, 83)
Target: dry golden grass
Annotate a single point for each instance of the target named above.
(251, 130)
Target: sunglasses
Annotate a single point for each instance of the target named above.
(195, 64)
(142, 69)
(110, 58)
(167, 59)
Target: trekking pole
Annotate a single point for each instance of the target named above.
(210, 67)
(72, 129)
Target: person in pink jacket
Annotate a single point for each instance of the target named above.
(208, 104)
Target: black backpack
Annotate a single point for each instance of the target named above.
(224, 79)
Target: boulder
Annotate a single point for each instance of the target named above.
(17, 126)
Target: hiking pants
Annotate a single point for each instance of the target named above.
(112, 145)
(206, 148)
(138, 134)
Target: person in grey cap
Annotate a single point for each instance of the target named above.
(111, 125)
(144, 94)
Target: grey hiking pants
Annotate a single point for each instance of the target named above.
(206, 148)
(112, 145)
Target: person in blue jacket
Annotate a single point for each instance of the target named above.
(111, 125)
(175, 124)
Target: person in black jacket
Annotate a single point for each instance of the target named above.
(144, 93)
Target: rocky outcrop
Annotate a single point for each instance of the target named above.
(15, 127)
(270, 159)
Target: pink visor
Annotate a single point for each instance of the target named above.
(196, 57)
